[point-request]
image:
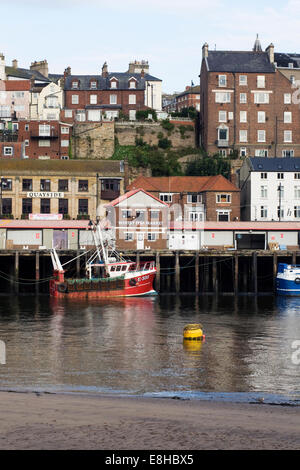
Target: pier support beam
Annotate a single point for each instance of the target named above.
(157, 278)
(197, 273)
(236, 274)
(294, 257)
(37, 272)
(214, 275)
(254, 272)
(177, 273)
(274, 270)
(16, 275)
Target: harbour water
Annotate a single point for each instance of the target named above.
(135, 346)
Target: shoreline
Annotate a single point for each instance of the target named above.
(74, 420)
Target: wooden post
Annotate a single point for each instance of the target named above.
(157, 278)
(197, 273)
(214, 275)
(177, 273)
(37, 272)
(274, 270)
(206, 273)
(16, 276)
(78, 265)
(254, 271)
(236, 274)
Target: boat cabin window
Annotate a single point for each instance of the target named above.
(118, 268)
(113, 268)
(124, 268)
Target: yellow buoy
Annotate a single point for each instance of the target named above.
(193, 331)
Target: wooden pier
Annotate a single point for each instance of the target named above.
(199, 272)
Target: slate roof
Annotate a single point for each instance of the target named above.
(103, 83)
(239, 61)
(25, 73)
(274, 164)
(284, 59)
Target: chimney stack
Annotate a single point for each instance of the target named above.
(270, 51)
(104, 70)
(15, 64)
(142, 73)
(41, 67)
(204, 50)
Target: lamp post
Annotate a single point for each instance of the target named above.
(279, 212)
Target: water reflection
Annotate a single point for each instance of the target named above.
(136, 345)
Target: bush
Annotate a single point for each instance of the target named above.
(142, 115)
(164, 143)
(167, 125)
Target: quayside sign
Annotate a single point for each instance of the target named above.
(45, 194)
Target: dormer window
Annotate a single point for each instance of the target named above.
(75, 85)
(93, 85)
(113, 83)
(132, 83)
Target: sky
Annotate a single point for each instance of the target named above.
(83, 34)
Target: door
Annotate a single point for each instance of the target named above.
(60, 239)
(140, 241)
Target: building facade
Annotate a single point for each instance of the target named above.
(194, 198)
(247, 105)
(270, 189)
(59, 189)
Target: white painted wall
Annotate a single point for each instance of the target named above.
(272, 200)
(157, 92)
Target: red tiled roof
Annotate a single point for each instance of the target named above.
(176, 184)
(17, 85)
(127, 195)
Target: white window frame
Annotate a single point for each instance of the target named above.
(291, 153)
(7, 151)
(64, 143)
(287, 117)
(44, 130)
(151, 237)
(261, 98)
(243, 80)
(243, 151)
(44, 143)
(287, 98)
(75, 99)
(132, 99)
(128, 236)
(223, 97)
(264, 192)
(224, 113)
(261, 152)
(287, 136)
(243, 98)
(219, 198)
(261, 81)
(93, 99)
(113, 99)
(166, 197)
(264, 212)
(243, 135)
(243, 116)
(261, 135)
(261, 116)
(222, 80)
(64, 130)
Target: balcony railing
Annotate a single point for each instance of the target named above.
(8, 136)
(37, 135)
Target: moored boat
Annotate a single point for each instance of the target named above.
(288, 279)
(108, 274)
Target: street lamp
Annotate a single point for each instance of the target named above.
(280, 194)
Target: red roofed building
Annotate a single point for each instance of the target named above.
(140, 221)
(198, 198)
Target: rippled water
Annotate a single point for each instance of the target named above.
(135, 346)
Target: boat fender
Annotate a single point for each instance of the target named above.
(132, 282)
(62, 287)
(297, 280)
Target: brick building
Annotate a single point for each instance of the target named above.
(45, 140)
(92, 97)
(190, 97)
(140, 221)
(194, 198)
(69, 189)
(247, 105)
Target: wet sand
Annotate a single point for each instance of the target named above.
(68, 421)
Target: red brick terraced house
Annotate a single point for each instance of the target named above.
(45, 140)
(247, 104)
(94, 97)
(194, 198)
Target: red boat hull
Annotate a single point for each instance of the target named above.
(136, 286)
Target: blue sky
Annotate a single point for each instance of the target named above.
(167, 33)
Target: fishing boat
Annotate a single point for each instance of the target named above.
(108, 274)
(288, 279)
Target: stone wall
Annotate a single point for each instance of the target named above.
(93, 141)
(183, 134)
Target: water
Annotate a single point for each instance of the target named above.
(135, 346)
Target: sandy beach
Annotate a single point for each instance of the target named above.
(68, 421)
